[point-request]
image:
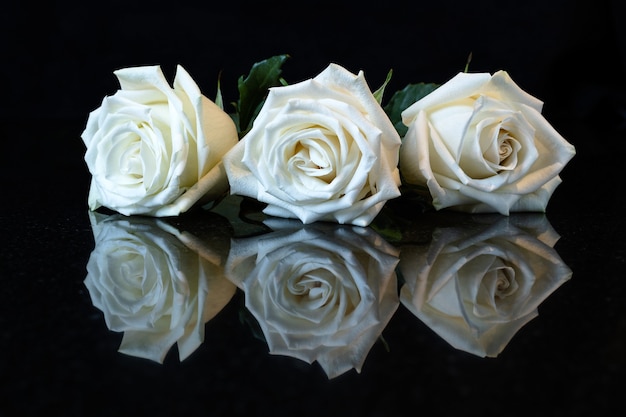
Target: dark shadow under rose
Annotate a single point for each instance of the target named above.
(476, 285)
(319, 292)
(156, 284)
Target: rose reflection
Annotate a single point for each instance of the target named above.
(320, 292)
(476, 285)
(157, 285)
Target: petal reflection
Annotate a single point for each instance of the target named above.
(156, 284)
(477, 284)
(320, 292)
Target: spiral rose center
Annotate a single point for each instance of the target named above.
(311, 159)
(505, 150)
(494, 142)
(504, 278)
(314, 288)
(506, 147)
(501, 278)
(131, 164)
(137, 159)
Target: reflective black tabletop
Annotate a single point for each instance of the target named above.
(437, 312)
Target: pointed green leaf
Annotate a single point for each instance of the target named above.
(378, 94)
(469, 59)
(253, 89)
(219, 100)
(402, 99)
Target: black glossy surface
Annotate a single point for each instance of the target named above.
(57, 356)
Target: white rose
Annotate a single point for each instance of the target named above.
(477, 285)
(150, 282)
(321, 293)
(322, 149)
(480, 144)
(153, 149)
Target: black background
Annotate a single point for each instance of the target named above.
(58, 58)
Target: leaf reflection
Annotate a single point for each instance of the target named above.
(156, 284)
(320, 292)
(478, 283)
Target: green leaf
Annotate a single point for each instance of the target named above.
(402, 99)
(387, 227)
(467, 63)
(254, 88)
(218, 96)
(378, 94)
